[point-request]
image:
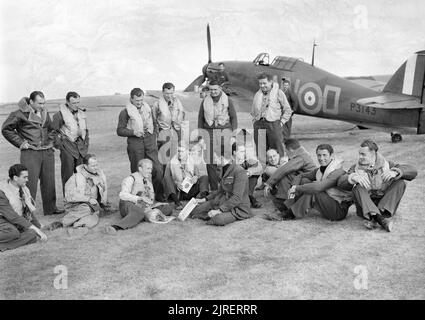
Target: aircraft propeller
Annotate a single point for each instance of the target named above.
(209, 43)
(201, 79)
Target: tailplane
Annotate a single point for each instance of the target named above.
(409, 78)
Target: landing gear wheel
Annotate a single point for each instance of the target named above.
(396, 137)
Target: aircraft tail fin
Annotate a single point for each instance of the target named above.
(409, 78)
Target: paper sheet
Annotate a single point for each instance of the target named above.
(188, 208)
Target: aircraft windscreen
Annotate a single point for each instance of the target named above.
(285, 63)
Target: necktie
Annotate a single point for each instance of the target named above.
(21, 196)
(25, 210)
(145, 184)
(147, 188)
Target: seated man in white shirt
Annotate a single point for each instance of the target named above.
(137, 199)
(184, 169)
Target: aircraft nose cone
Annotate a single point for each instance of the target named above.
(210, 69)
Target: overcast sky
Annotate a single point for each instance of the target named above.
(99, 47)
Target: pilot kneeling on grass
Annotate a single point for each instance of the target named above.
(231, 201)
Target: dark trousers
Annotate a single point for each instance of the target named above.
(252, 180)
(274, 136)
(132, 215)
(222, 219)
(68, 165)
(284, 185)
(200, 186)
(12, 238)
(169, 187)
(146, 147)
(328, 207)
(286, 129)
(213, 176)
(167, 148)
(172, 139)
(215, 146)
(41, 165)
(365, 204)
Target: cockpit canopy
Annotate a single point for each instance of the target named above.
(280, 62)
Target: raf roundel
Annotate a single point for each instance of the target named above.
(310, 98)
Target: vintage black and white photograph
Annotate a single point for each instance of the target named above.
(212, 150)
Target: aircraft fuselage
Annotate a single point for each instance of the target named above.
(322, 94)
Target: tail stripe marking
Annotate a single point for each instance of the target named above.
(409, 75)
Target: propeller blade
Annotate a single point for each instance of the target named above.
(209, 43)
(197, 82)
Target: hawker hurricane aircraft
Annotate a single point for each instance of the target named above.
(395, 106)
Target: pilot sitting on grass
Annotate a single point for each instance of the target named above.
(183, 167)
(377, 185)
(137, 200)
(318, 189)
(231, 201)
(85, 195)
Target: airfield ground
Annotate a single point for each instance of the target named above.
(251, 259)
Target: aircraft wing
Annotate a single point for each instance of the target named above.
(391, 101)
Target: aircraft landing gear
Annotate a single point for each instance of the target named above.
(396, 137)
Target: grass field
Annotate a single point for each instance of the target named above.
(251, 259)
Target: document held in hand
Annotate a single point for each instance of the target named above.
(187, 185)
(188, 208)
